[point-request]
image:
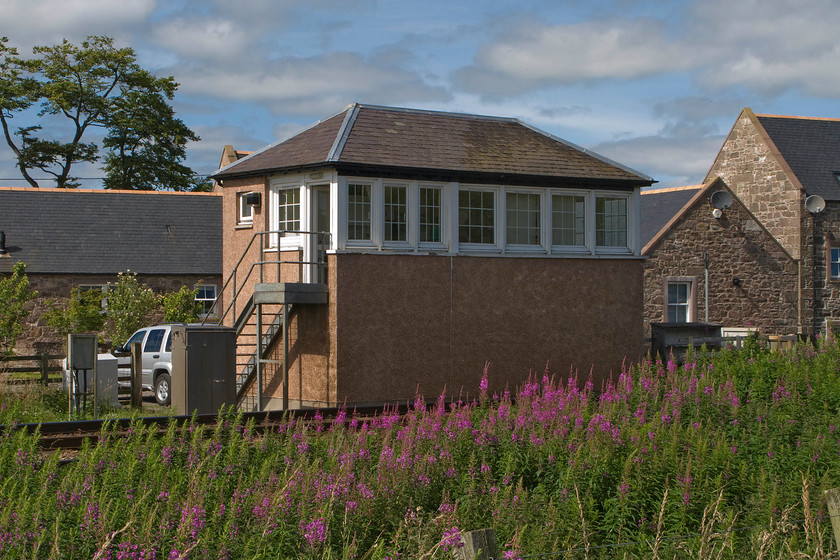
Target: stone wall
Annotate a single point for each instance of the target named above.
(752, 169)
(54, 290)
(765, 295)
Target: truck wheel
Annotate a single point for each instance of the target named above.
(162, 389)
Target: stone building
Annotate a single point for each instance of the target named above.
(84, 238)
(396, 250)
(725, 268)
(782, 173)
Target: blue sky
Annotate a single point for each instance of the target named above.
(653, 84)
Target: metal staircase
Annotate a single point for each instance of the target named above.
(261, 323)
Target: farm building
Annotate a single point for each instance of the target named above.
(769, 259)
(383, 252)
(82, 238)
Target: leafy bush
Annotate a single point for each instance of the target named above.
(14, 293)
(181, 306)
(130, 305)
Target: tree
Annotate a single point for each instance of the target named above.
(180, 306)
(83, 314)
(14, 293)
(95, 86)
(130, 305)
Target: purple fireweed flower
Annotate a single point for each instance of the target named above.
(314, 532)
(451, 539)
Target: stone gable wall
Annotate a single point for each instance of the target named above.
(748, 167)
(737, 247)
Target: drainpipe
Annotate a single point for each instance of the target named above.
(706, 286)
(816, 277)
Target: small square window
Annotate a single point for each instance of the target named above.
(245, 211)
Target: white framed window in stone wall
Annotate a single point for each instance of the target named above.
(102, 292)
(834, 260)
(205, 296)
(679, 299)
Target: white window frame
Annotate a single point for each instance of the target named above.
(833, 259)
(444, 232)
(202, 300)
(244, 218)
(292, 241)
(588, 216)
(689, 305)
(408, 242)
(497, 220)
(375, 200)
(542, 245)
(97, 287)
(630, 224)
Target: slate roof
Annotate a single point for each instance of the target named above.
(658, 206)
(70, 231)
(811, 148)
(423, 143)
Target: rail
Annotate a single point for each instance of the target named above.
(269, 240)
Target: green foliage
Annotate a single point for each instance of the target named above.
(14, 293)
(180, 306)
(130, 306)
(726, 456)
(93, 85)
(83, 314)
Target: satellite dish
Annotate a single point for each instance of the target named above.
(721, 200)
(814, 204)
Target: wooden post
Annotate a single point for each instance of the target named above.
(832, 497)
(478, 545)
(136, 376)
(45, 364)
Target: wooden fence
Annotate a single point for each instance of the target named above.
(39, 364)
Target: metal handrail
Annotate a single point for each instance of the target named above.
(260, 264)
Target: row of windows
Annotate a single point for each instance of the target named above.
(482, 213)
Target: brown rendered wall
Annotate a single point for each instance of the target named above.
(54, 291)
(408, 323)
(737, 247)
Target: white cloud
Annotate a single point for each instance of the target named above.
(204, 39)
(49, 21)
(313, 85)
(533, 56)
(767, 46)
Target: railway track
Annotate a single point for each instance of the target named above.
(71, 435)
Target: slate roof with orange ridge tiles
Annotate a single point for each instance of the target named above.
(658, 206)
(426, 144)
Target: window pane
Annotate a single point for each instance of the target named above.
(678, 302)
(611, 221)
(568, 223)
(523, 218)
(430, 213)
(288, 210)
(476, 216)
(396, 227)
(154, 341)
(358, 212)
(835, 263)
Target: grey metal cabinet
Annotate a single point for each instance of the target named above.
(203, 368)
